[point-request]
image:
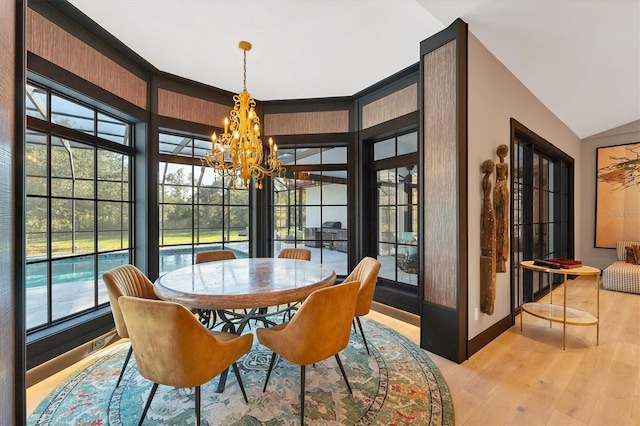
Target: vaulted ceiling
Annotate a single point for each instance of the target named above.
(581, 58)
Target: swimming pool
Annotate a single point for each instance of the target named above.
(82, 269)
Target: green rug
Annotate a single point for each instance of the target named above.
(396, 385)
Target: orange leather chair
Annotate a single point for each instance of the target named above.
(211, 256)
(367, 273)
(320, 329)
(126, 280)
(295, 253)
(172, 348)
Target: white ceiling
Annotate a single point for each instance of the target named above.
(581, 58)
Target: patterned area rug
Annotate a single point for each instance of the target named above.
(396, 385)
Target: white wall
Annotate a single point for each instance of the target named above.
(496, 96)
(629, 133)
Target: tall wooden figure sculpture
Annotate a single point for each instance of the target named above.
(501, 209)
(487, 243)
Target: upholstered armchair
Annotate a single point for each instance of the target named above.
(319, 330)
(211, 256)
(367, 273)
(126, 280)
(172, 348)
(295, 253)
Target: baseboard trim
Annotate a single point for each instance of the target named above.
(67, 359)
(396, 313)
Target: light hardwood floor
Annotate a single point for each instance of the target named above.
(525, 378)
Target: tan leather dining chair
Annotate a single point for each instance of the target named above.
(295, 253)
(320, 329)
(126, 280)
(211, 256)
(298, 254)
(172, 348)
(367, 273)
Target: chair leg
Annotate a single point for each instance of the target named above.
(354, 326)
(363, 338)
(273, 361)
(198, 405)
(343, 374)
(235, 370)
(124, 366)
(303, 369)
(146, 407)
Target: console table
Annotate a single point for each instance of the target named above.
(562, 313)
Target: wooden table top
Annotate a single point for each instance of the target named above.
(583, 270)
(244, 283)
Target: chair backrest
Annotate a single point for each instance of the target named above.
(126, 280)
(211, 256)
(295, 253)
(322, 325)
(367, 273)
(172, 348)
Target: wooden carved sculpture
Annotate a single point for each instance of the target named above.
(501, 209)
(487, 243)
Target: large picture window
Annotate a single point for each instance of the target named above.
(198, 210)
(310, 205)
(78, 204)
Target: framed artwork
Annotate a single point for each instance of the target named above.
(617, 194)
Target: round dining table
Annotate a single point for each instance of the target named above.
(243, 283)
(251, 285)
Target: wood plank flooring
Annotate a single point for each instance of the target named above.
(525, 378)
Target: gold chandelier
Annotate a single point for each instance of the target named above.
(238, 153)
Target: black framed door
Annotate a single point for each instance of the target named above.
(393, 183)
(542, 208)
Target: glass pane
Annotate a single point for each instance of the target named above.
(112, 129)
(201, 147)
(172, 258)
(73, 283)
(71, 114)
(387, 260)
(176, 185)
(36, 163)
(238, 223)
(36, 294)
(286, 156)
(113, 225)
(176, 224)
(334, 193)
(386, 187)
(384, 149)
(36, 227)
(36, 102)
(61, 226)
(209, 224)
(337, 155)
(83, 234)
(407, 143)
(72, 167)
(307, 156)
(170, 144)
(113, 173)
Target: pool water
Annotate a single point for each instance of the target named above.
(81, 269)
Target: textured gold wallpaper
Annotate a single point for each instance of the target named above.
(54, 44)
(392, 106)
(440, 180)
